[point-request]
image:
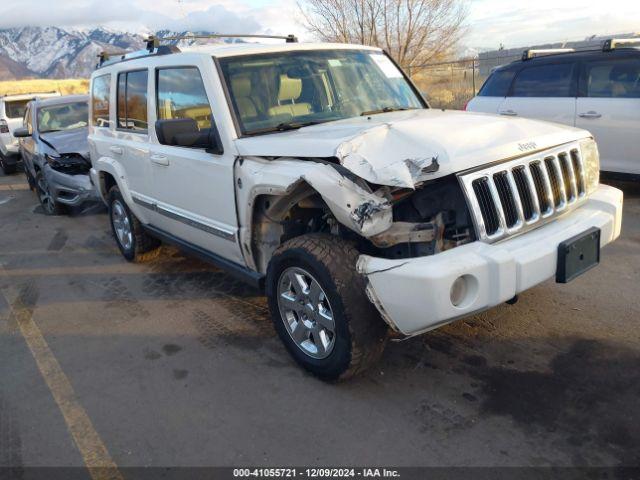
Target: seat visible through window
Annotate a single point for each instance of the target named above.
(288, 94)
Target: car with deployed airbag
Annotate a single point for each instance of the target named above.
(55, 152)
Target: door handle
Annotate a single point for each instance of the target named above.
(116, 150)
(590, 114)
(159, 159)
(510, 113)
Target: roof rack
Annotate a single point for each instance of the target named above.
(533, 53)
(154, 47)
(613, 43)
(153, 42)
(109, 58)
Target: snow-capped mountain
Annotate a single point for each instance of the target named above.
(52, 52)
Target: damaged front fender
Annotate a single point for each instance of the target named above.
(351, 204)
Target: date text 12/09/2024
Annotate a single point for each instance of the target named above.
(315, 473)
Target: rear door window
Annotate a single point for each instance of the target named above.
(613, 78)
(550, 80)
(16, 109)
(497, 85)
(132, 101)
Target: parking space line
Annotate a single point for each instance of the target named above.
(94, 452)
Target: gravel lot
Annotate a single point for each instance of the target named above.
(176, 364)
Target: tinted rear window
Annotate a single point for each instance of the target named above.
(616, 78)
(16, 108)
(497, 85)
(551, 80)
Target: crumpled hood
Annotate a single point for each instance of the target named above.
(68, 141)
(405, 148)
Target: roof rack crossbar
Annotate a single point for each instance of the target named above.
(533, 52)
(109, 58)
(613, 43)
(153, 42)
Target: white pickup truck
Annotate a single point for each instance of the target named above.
(318, 172)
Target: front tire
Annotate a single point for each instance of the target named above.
(47, 201)
(135, 244)
(320, 309)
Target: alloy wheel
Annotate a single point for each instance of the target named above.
(121, 225)
(306, 312)
(44, 195)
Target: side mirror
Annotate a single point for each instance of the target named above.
(21, 132)
(184, 132)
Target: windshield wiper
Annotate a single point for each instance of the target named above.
(384, 110)
(281, 127)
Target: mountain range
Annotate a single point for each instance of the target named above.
(53, 52)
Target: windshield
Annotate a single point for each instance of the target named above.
(16, 108)
(271, 92)
(63, 117)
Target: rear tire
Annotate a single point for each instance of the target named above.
(8, 169)
(48, 203)
(313, 278)
(135, 244)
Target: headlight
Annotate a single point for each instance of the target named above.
(591, 162)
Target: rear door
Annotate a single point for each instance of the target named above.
(131, 146)
(544, 91)
(610, 110)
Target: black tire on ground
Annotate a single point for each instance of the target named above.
(48, 203)
(360, 332)
(8, 169)
(143, 247)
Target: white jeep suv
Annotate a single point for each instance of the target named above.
(318, 172)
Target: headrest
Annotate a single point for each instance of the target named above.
(290, 88)
(241, 85)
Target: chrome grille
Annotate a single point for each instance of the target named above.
(518, 195)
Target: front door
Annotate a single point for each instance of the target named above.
(611, 111)
(543, 92)
(193, 187)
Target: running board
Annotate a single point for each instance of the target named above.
(251, 277)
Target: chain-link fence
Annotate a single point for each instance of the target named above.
(448, 84)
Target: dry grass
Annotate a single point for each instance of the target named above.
(448, 87)
(65, 87)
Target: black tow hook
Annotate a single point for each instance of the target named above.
(513, 301)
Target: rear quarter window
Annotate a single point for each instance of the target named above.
(497, 85)
(615, 78)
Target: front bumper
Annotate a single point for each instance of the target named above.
(68, 189)
(414, 295)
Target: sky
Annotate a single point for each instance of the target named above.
(513, 23)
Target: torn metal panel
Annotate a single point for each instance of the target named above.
(385, 156)
(287, 182)
(405, 232)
